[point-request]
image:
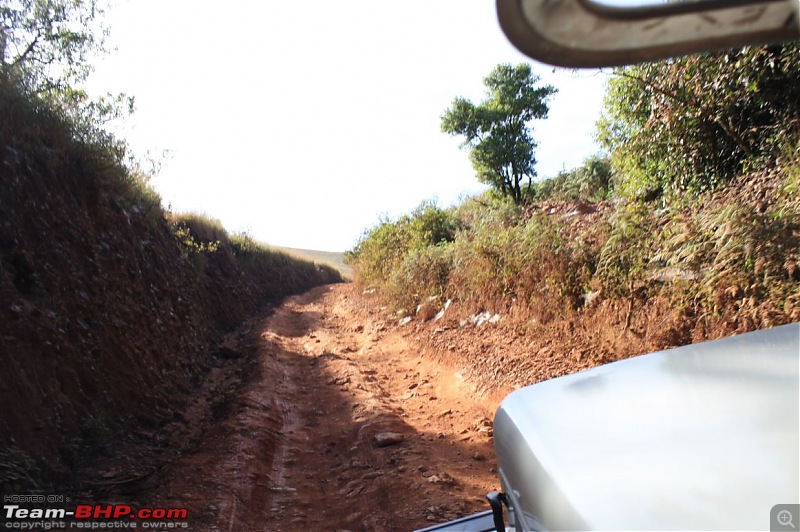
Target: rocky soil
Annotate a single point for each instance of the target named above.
(339, 422)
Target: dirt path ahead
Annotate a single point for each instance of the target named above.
(340, 425)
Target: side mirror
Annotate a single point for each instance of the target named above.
(590, 34)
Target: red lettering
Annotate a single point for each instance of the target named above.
(83, 511)
(121, 510)
(106, 512)
(159, 513)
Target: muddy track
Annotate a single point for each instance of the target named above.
(339, 425)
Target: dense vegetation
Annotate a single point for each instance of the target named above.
(697, 122)
(697, 203)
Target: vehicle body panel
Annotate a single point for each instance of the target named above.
(703, 436)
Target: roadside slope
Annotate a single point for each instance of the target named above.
(107, 319)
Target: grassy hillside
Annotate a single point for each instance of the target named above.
(331, 258)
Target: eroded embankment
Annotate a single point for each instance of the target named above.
(107, 324)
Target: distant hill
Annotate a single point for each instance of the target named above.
(332, 258)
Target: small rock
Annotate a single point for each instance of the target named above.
(441, 478)
(385, 439)
(479, 457)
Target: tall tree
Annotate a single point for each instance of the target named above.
(498, 131)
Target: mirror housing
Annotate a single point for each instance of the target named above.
(587, 34)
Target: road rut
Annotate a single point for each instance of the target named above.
(340, 424)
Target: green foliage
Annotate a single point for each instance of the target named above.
(198, 233)
(45, 51)
(423, 273)
(497, 131)
(489, 208)
(734, 258)
(693, 123)
(743, 256)
(383, 248)
(495, 257)
(202, 239)
(530, 262)
(626, 253)
(45, 45)
(592, 181)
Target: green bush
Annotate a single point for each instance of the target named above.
(626, 254)
(383, 249)
(424, 273)
(592, 181)
(493, 259)
(696, 122)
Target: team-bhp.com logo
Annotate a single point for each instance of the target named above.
(93, 516)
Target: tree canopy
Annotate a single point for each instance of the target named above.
(45, 44)
(694, 122)
(46, 47)
(498, 131)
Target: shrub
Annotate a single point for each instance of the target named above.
(592, 181)
(383, 249)
(625, 255)
(424, 273)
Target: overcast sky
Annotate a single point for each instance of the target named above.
(302, 122)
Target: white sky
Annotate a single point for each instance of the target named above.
(302, 122)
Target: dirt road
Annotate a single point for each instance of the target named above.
(339, 425)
